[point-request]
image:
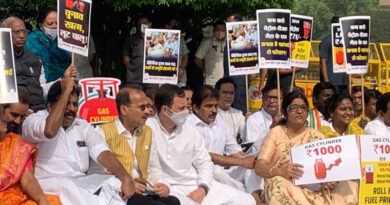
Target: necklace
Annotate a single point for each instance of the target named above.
(291, 136)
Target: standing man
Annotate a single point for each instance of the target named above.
(183, 156)
(131, 142)
(338, 80)
(234, 118)
(65, 145)
(321, 93)
(133, 52)
(209, 56)
(29, 71)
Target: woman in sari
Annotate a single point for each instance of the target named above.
(274, 164)
(43, 43)
(18, 186)
(342, 113)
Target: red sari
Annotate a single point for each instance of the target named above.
(16, 157)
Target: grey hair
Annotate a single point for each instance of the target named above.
(8, 21)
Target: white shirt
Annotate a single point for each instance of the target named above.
(234, 118)
(257, 126)
(45, 86)
(218, 136)
(67, 154)
(212, 51)
(155, 174)
(377, 127)
(182, 154)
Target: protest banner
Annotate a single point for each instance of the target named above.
(326, 160)
(8, 85)
(242, 47)
(274, 38)
(375, 182)
(97, 104)
(356, 41)
(300, 34)
(339, 64)
(73, 28)
(161, 56)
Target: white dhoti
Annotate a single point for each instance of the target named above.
(239, 177)
(81, 190)
(219, 194)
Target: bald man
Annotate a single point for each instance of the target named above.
(29, 71)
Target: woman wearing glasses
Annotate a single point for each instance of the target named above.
(274, 164)
(341, 111)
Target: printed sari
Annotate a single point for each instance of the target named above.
(352, 129)
(279, 190)
(16, 157)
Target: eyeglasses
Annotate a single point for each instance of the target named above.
(19, 32)
(295, 108)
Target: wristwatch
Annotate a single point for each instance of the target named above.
(204, 187)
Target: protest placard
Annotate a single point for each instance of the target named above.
(356, 41)
(274, 38)
(97, 104)
(161, 56)
(242, 47)
(375, 182)
(73, 19)
(8, 85)
(326, 160)
(300, 34)
(339, 64)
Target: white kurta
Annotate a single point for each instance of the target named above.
(219, 139)
(186, 164)
(234, 118)
(63, 161)
(257, 127)
(377, 127)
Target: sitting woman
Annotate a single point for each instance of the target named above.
(274, 164)
(18, 185)
(342, 113)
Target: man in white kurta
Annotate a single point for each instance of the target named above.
(233, 117)
(183, 156)
(381, 124)
(65, 145)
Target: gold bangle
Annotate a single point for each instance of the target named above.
(270, 171)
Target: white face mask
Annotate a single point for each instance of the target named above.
(143, 27)
(179, 118)
(51, 33)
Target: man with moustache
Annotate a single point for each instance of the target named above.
(15, 113)
(29, 71)
(220, 142)
(131, 142)
(65, 145)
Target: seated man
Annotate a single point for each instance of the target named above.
(131, 142)
(321, 93)
(233, 117)
(381, 124)
(183, 156)
(188, 92)
(15, 113)
(371, 96)
(221, 144)
(259, 123)
(18, 184)
(65, 145)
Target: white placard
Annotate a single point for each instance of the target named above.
(374, 148)
(326, 160)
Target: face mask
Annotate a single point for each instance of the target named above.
(179, 117)
(51, 33)
(141, 28)
(220, 35)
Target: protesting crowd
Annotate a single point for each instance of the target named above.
(172, 144)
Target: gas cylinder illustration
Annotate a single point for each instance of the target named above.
(306, 29)
(340, 57)
(97, 104)
(320, 169)
(369, 170)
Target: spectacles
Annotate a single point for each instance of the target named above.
(295, 108)
(19, 32)
(269, 97)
